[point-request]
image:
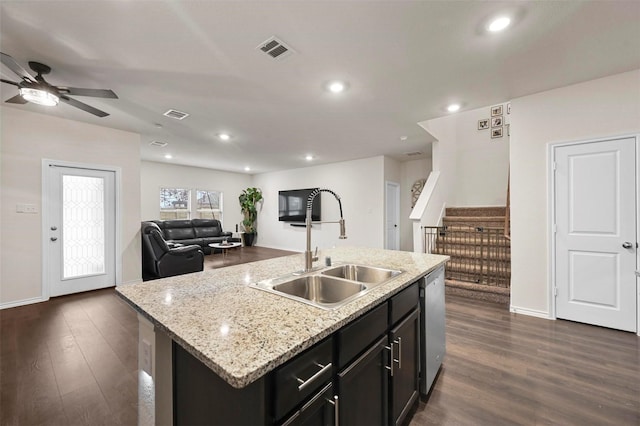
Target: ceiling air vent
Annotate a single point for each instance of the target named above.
(412, 154)
(275, 48)
(178, 115)
(158, 144)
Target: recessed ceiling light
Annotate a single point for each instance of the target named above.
(308, 157)
(499, 24)
(247, 169)
(453, 107)
(403, 138)
(336, 86)
(168, 156)
(224, 136)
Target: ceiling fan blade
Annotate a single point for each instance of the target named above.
(9, 82)
(17, 99)
(96, 93)
(83, 106)
(15, 67)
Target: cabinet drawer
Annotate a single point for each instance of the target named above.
(404, 302)
(358, 335)
(301, 377)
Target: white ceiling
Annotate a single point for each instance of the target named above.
(404, 61)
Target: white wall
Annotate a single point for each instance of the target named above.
(411, 171)
(474, 167)
(599, 108)
(482, 162)
(359, 183)
(156, 175)
(26, 139)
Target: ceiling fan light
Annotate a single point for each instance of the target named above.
(38, 96)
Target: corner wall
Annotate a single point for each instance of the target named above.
(27, 138)
(604, 107)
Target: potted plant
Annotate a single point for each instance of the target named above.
(249, 198)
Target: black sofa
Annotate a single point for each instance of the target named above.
(161, 259)
(201, 232)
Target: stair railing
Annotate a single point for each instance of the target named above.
(480, 255)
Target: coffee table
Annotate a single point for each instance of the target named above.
(225, 247)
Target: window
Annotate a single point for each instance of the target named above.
(208, 205)
(175, 203)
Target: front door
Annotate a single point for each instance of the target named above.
(81, 230)
(595, 239)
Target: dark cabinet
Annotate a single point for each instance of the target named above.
(404, 343)
(362, 388)
(366, 373)
(321, 410)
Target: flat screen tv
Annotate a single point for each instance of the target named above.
(292, 205)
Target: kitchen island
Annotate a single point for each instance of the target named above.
(241, 334)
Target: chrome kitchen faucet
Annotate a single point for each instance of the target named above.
(309, 258)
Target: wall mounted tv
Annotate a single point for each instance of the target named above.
(292, 205)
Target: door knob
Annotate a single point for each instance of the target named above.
(627, 245)
(54, 238)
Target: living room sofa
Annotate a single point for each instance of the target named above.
(201, 232)
(161, 259)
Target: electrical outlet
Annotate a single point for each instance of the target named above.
(145, 357)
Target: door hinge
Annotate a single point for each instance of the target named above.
(555, 291)
(555, 166)
(555, 228)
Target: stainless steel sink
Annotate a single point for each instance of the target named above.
(363, 274)
(320, 289)
(329, 288)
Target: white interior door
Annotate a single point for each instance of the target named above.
(392, 207)
(595, 213)
(81, 231)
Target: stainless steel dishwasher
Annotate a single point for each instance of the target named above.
(432, 328)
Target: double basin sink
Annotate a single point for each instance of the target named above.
(330, 287)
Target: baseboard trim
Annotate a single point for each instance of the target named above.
(530, 312)
(22, 302)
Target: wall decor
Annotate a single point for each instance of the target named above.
(496, 132)
(483, 124)
(496, 110)
(496, 121)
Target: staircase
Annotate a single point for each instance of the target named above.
(474, 238)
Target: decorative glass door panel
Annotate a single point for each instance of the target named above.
(83, 223)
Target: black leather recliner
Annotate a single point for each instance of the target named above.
(160, 260)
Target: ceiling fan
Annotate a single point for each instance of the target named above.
(37, 90)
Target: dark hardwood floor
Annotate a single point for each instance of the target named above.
(508, 369)
(73, 361)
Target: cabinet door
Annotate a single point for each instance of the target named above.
(405, 342)
(320, 410)
(362, 388)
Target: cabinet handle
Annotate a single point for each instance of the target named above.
(305, 383)
(336, 410)
(399, 360)
(390, 367)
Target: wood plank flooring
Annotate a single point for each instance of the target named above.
(508, 369)
(73, 361)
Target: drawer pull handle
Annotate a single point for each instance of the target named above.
(336, 410)
(305, 383)
(390, 366)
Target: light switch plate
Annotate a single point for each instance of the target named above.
(26, 208)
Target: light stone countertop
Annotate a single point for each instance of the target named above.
(242, 333)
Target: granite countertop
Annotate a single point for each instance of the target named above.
(242, 333)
